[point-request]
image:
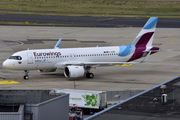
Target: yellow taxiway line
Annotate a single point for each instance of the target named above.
(9, 82)
(172, 41)
(126, 65)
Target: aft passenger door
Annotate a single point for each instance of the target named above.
(30, 58)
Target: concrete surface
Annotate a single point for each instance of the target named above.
(162, 66)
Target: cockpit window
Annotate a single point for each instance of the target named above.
(16, 57)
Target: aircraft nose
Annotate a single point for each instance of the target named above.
(5, 64)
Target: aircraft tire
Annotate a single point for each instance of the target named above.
(91, 75)
(26, 77)
(87, 75)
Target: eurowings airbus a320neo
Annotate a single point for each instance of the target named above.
(77, 62)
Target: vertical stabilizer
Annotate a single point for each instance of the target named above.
(146, 35)
(143, 41)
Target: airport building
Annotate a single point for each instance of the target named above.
(33, 105)
(161, 102)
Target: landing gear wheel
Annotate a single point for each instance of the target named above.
(26, 77)
(90, 75)
(87, 75)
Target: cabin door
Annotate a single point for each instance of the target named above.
(30, 58)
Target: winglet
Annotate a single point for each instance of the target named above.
(58, 44)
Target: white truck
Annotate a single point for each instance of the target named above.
(88, 101)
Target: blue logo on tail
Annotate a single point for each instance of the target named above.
(124, 50)
(151, 23)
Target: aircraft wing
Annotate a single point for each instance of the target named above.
(108, 63)
(92, 64)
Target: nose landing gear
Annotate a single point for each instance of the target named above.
(26, 77)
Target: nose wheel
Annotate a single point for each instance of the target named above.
(26, 77)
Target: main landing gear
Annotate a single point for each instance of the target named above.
(26, 77)
(89, 75)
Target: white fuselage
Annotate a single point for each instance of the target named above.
(47, 58)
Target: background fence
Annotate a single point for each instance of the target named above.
(123, 94)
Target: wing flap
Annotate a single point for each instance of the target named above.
(109, 63)
(92, 64)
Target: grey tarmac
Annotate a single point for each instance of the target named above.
(160, 67)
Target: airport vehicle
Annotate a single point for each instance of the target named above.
(77, 62)
(86, 100)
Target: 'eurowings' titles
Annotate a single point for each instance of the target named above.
(47, 54)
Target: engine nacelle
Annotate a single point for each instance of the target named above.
(74, 71)
(47, 70)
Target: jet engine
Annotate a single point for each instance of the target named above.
(47, 70)
(74, 71)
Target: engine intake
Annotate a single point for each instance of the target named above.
(74, 71)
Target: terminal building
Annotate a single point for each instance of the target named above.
(33, 105)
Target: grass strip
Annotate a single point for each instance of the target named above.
(89, 15)
(108, 8)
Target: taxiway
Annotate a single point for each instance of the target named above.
(160, 67)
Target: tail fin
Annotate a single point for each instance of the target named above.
(146, 35)
(143, 41)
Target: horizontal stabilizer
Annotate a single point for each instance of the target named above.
(147, 56)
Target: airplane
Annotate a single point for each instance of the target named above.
(77, 62)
